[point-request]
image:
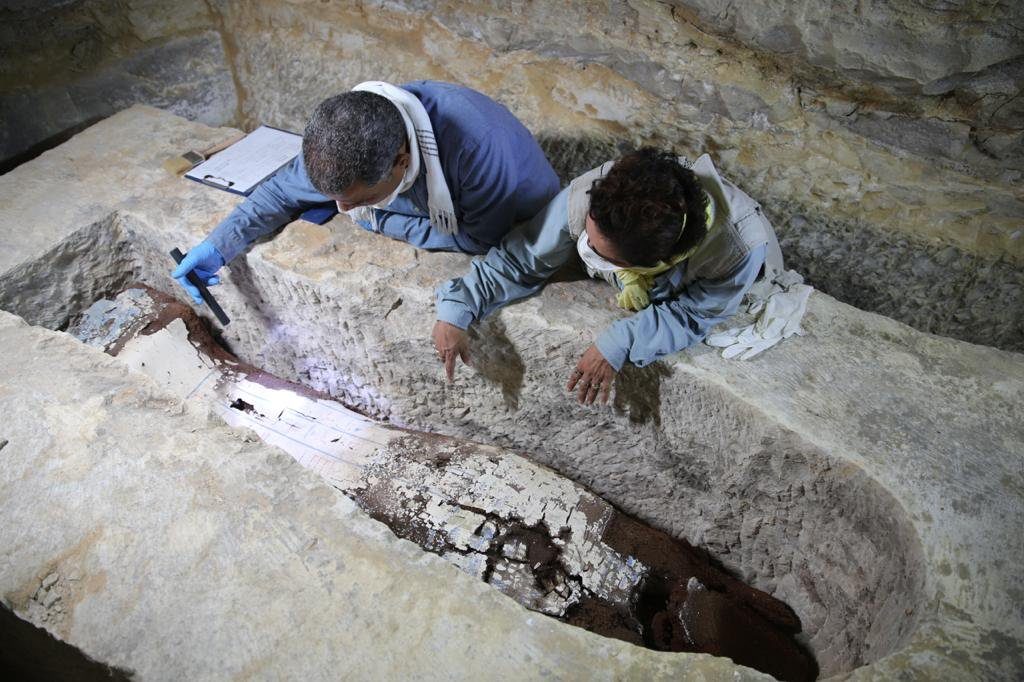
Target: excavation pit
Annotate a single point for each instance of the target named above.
(839, 472)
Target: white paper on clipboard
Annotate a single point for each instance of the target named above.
(250, 161)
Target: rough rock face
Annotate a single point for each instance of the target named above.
(65, 65)
(940, 78)
(548, 543)
(904, 45)
(884, 200)
(866, 474)
(883, 139)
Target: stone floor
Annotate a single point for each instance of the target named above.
(868, 474)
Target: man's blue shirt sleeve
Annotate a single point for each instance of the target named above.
(671, 325)
(275, 202)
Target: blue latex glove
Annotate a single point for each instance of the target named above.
(204, 259)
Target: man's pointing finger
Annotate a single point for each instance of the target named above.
(449, 365)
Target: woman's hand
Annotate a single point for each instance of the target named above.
(450, 342)
(593, 375)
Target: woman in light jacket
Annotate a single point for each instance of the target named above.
(680, 243)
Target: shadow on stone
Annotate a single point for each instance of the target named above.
(572, 271)
(638, 392)
(573, 156)
(933, 288)
(55, 140)
(497, 360)
(245, 285)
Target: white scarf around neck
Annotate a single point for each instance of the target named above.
(422, 146)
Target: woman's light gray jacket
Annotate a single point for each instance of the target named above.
(686, 301)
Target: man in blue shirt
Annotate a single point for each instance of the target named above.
(680, 243)
(367, 150)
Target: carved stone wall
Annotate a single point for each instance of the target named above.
(883, 139)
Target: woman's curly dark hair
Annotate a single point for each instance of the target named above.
(639, 206)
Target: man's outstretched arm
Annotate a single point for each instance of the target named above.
(275, 202)
(518, 268)
(526, 258)
(278, 200)
(670, 326)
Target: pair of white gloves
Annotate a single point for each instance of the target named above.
(781, 303)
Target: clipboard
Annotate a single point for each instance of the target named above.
(240, 168)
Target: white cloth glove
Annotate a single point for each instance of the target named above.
(780, 318)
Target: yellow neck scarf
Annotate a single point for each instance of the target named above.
(637, 282)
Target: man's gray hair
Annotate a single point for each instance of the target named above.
(351, 136)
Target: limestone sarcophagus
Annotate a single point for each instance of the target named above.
(531, 533)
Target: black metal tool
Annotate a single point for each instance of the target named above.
(178, 256)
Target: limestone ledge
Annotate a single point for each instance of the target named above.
(934, 422)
